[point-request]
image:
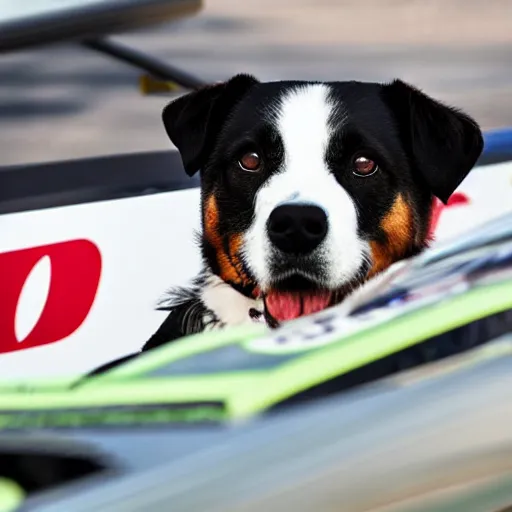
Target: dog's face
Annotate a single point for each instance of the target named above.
(310, 188)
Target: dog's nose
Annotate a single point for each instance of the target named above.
(297, 229)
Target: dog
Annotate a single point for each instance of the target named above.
(308, 190)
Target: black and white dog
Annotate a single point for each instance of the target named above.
(308, 190)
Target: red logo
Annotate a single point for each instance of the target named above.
(75, 274)
(457, 199)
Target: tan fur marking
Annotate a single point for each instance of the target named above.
(231, 268)
(398, 226)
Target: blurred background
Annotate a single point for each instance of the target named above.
(65, 102)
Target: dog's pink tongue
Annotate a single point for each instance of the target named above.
(288, 305)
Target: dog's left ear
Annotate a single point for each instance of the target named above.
(442, 142)
(192, 121)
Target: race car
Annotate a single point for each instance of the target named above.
(401, 396)
(401, 405)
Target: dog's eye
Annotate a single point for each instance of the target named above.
(250, 162)
(364, 166)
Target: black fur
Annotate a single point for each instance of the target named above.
(443, 143)
(191, 120)
(187, 314)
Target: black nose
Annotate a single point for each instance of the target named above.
(297, 229)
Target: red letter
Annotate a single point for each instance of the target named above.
(75, 275)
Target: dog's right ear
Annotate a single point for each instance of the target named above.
(444, 143)
(193, 120)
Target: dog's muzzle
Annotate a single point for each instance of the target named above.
(295, 231)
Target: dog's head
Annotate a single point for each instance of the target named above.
(310, 188)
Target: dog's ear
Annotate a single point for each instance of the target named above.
(192, 121)
(442, 142)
